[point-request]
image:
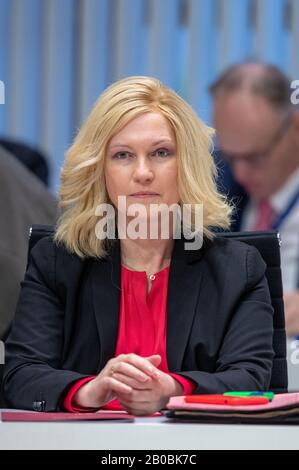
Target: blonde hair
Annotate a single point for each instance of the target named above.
(83, 186)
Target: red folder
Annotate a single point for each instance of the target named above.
(280, 401)
(48, 417)
(283, 409)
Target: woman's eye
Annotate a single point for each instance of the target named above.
(121, 155)
(161, 153)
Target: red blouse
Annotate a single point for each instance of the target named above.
(142, 328)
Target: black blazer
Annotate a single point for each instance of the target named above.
(219, 321)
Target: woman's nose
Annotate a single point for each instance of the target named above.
(143, 171)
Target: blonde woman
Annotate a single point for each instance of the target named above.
(128, 322)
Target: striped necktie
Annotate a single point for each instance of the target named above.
(264, 215)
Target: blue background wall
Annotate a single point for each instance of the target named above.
(56, 56)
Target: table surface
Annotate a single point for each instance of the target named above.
(151, 433)
(145, 433)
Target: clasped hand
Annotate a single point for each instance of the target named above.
(135, 381)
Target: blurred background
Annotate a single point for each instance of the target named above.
(57, 56)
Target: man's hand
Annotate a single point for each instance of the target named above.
(291, 308)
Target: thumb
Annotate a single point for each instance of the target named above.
(155, 359)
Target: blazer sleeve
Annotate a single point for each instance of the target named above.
(33, 373)
(246, 354)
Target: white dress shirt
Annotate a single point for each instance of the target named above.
(289, 229)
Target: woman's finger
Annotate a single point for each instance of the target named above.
(114, 385)
(140, 363)
(131, 370)
(131, 382)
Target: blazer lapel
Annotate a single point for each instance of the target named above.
(106, 287)
(185, 277)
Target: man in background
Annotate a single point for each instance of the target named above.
(29, 156)
(24, 201)
(257, 129)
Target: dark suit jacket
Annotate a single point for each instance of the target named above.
(219, 321)
(24, 200)
(235, 193)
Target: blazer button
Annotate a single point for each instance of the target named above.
(39, 405)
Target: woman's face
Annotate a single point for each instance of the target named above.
(141, 162)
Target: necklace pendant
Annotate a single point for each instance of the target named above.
(152, 277)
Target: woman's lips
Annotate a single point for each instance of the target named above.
(144, 195)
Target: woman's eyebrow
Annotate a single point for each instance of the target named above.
(118, 145)
(161, 141)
